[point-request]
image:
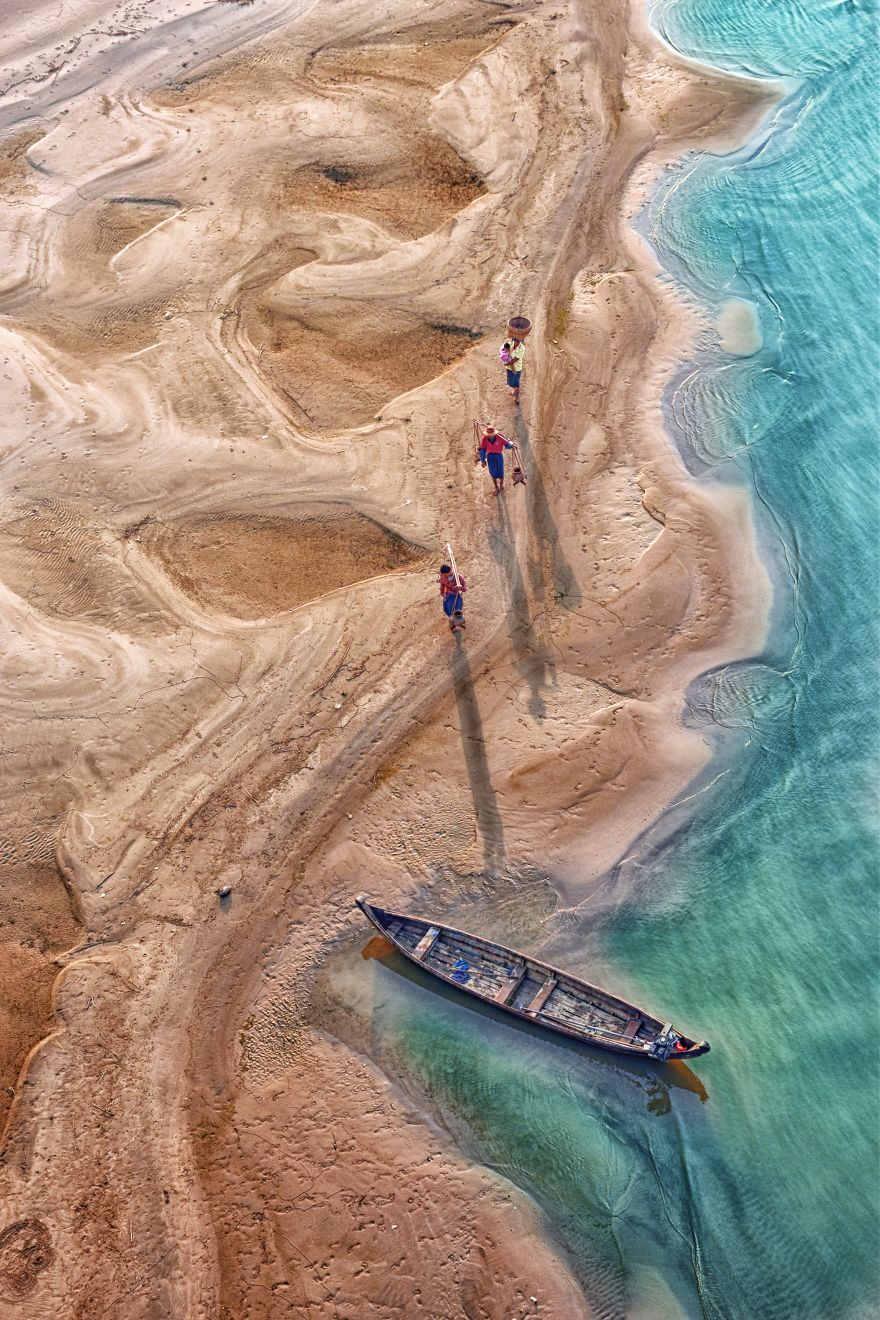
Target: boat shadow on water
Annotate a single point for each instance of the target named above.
(655, 1080)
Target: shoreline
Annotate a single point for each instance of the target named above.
(288, 817)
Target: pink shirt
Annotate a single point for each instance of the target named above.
(449, 586)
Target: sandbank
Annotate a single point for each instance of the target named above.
(257, 260)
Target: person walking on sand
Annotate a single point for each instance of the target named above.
(452, 587)
(492, 447)
(512, 354)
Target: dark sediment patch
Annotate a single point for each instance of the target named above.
(147, 201)
(338, 175)
(422, 183)
(339, 374)
(14, 160)
(254, 566)
(464, 331)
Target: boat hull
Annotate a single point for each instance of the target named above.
(647, 1046)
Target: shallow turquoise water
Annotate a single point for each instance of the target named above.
(751, 912)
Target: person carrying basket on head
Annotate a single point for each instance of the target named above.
(491, 451)
(512, 353)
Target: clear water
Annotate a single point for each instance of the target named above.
(753, 911)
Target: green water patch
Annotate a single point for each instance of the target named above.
(596, 1140)
(769, 888)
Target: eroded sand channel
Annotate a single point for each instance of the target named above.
(254, 566)
(248, 311)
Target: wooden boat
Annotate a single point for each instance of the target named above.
(530, 989)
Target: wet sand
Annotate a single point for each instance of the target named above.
(256, 269)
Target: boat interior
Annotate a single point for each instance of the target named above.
(507, 979)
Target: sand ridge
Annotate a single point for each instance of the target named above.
(235, 383)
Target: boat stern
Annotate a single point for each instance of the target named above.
(670, 1044)
(688, 1049)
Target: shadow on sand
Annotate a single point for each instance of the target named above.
(530, 654)
(485, 803)
(550, 574)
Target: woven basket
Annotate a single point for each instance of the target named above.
(519, 326)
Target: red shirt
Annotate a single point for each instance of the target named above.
(449, 586)
(494, 444)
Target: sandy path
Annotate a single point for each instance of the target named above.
(250, 305)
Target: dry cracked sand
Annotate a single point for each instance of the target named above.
(257, 260)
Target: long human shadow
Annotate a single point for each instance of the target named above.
(473, 744)
(530, 655)
(550, 573)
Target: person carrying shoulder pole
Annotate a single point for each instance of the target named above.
(452, 587)
(492, 447)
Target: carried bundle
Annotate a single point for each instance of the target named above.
(519, 475)
(478, 435)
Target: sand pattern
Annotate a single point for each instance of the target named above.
(255, 267)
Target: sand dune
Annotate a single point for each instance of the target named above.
(257, 260)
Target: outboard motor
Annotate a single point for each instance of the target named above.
(664, 1044)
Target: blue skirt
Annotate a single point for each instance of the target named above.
(513, 379)
(450, 604)
(496, 465)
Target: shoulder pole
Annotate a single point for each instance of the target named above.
(451, 558)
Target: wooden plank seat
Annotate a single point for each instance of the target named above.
(631, 1028)
(426, 943)
(542, 996)
(509, 986)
